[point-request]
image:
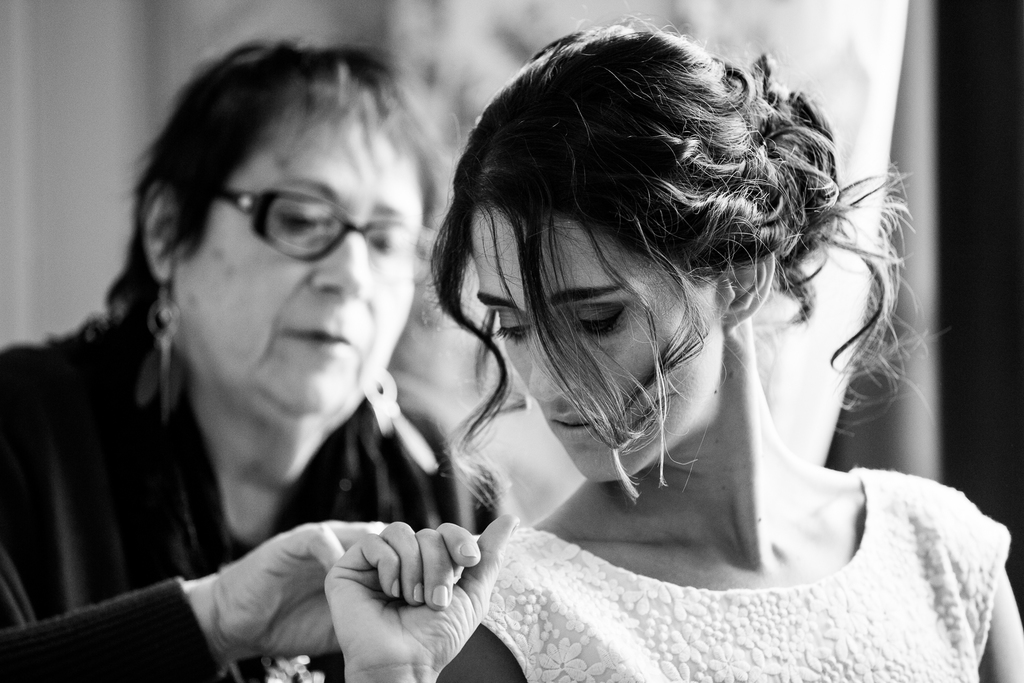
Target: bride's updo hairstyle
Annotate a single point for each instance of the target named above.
(690, 166)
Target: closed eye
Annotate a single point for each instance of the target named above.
(595, 318)
(599, 319)
(513, 334)
(508, 326)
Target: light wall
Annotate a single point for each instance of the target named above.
(83, 86)
(70, 126)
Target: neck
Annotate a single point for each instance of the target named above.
(257, 457)
(714, 498)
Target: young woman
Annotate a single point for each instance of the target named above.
(624, 206)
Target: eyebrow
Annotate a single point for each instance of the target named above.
(309, 186)
(326, 193)
(565, 296)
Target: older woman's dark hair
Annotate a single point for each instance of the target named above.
(690, 165)
(231, 107)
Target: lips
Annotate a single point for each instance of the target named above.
(570, 422)
(319, 336)
(326, 337)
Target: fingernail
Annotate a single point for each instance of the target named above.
(417, 593)
(441, 596)
(469, 550)
(396, 590)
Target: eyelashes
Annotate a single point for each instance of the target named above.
(510, 333)
(598, 322)
(602, 326)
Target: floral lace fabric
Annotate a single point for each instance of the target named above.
(913, 604)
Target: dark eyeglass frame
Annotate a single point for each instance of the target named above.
(257, 205)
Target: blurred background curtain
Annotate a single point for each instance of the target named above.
(959, 136)
(980, 156)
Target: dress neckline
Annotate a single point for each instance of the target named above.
(862, 554)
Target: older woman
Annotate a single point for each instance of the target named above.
(224, 397)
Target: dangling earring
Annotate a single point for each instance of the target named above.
(159, 374)
(382, 395)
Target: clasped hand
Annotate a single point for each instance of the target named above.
(271, 601)
(403, 603)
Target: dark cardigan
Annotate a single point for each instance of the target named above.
(102, 506)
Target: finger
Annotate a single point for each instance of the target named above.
(296, 546)
(324, 545)
(402, 540)
(438, 569)
(374, 561)
(478, 581)
(349, 533)
(461, 545)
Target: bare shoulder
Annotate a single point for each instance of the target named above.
(840, 504)
(830, 496)
(834, 483)
(484, 658)
(824, 512)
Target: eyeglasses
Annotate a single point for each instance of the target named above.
(308, 228)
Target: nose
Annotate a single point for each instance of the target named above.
(540, 385)
(346, 269)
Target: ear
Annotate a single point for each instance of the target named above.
(743, 289)
(159, 227)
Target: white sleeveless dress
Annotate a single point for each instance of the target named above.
(914, 604)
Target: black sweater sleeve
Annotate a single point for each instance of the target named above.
(149, 634)
(67, 611)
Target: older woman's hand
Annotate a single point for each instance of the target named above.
(405, 603)
(271, 600)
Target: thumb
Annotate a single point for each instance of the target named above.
(478, 581)
(324, 545)
(349, 533)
